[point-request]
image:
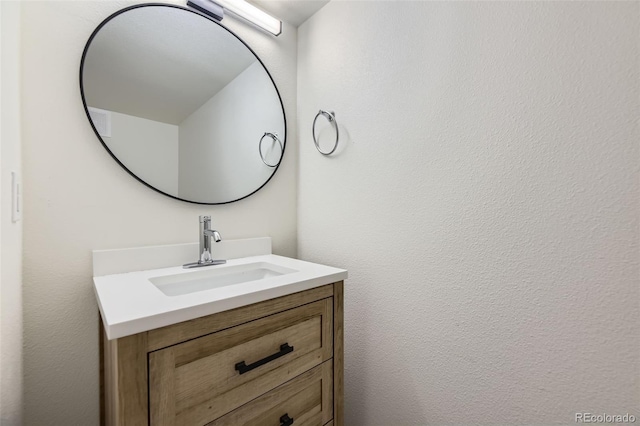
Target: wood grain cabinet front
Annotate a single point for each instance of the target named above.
(306, 400)
(277, 362)
(196, 382)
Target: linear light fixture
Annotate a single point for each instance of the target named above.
(207, 7)
(252, 14)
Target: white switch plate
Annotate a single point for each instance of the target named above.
(16, 197)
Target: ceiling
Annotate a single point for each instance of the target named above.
(294, 12)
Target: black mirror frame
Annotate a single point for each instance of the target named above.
(86, 109)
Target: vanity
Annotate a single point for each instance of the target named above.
(242, 338)
(256, 341)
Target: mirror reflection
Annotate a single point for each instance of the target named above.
(182, 103)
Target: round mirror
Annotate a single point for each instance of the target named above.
(183, 104)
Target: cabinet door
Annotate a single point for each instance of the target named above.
(306, 400)
(198, 381)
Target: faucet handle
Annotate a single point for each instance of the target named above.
(205, 219)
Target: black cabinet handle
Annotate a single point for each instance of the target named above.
(284, 349)
(286, 420)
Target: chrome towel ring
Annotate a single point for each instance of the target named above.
(331, 116)
(274, 137)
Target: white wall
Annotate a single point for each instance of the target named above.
(245, 109)
(148, 148)
(10, 232)
(78, 199)
(485, 205)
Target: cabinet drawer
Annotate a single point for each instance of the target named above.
(306, 400)
(198, 381)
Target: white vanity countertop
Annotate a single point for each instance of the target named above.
(130, 303)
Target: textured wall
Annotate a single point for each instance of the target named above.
(11, 233)
(485, 205)
(78, 199)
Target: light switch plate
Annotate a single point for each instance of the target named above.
(16, 197)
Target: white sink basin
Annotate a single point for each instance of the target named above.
(134, 299)
(211, 277)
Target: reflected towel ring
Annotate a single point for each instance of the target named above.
(275, 138)
(331, 116)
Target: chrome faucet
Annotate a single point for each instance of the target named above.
(206, 234)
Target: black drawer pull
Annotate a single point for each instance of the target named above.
(286, 420)
(284, 349)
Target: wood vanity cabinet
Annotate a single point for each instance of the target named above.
(273, 363)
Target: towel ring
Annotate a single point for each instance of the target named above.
(331, 116)
(274, 137)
